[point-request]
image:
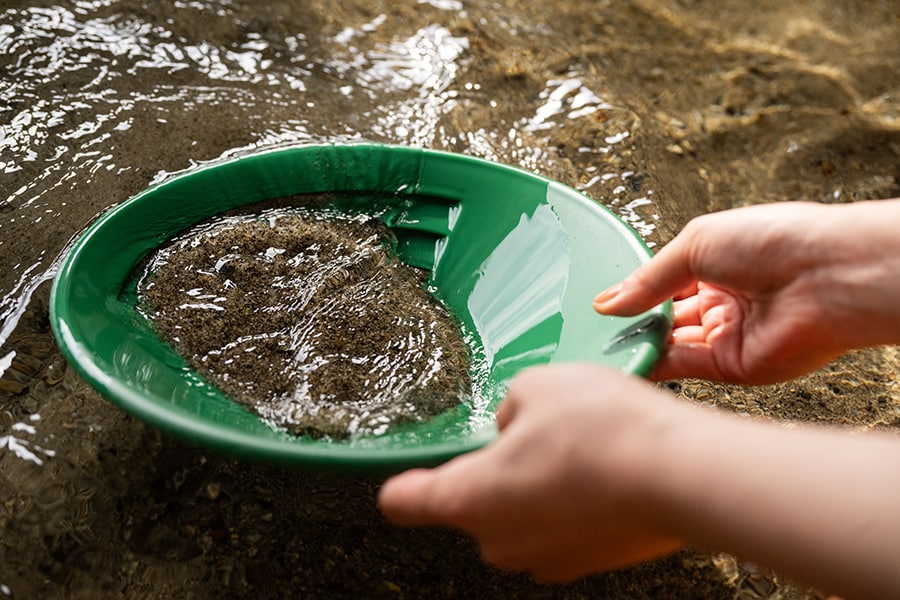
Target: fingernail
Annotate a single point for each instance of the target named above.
(608, 294)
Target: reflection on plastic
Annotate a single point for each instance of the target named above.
(509, 301)
(655, 326)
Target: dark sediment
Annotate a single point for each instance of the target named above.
(308, 319)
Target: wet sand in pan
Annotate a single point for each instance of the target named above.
(309, 319)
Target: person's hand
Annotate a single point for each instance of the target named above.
(595, 470)
(771, 292)
(563, 491)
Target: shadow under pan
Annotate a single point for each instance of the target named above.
(515, 256)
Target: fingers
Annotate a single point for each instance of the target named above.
(667, 275)
(686, 312)
(506, 412)
(439, 496)
(690, 334)
(688, 359)
(448, 495)
(405, 498)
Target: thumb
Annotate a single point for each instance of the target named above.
(407, 499)
(444, 495)
(666, 275)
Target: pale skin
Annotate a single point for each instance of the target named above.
(595, 470)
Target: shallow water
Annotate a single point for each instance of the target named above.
(308, 318)
(661, 110)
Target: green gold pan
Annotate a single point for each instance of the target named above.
(515, 256)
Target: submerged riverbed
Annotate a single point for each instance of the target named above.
(309, 319)
(660, 110)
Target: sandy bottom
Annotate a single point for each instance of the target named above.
(309, 320)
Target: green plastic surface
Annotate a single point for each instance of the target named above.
(517, 258)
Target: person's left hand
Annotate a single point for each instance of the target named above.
(563, 492)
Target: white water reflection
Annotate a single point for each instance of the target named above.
(49, 43)
(141, 77)
(631, 214)
(24, 448)
(454, 5)
(522, 282)
(422, 66)
(55, 135)
(568, 98)
(90, 85)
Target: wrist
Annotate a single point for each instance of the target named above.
(646, 460)
(857, 279)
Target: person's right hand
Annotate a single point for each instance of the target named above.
(770, 292)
